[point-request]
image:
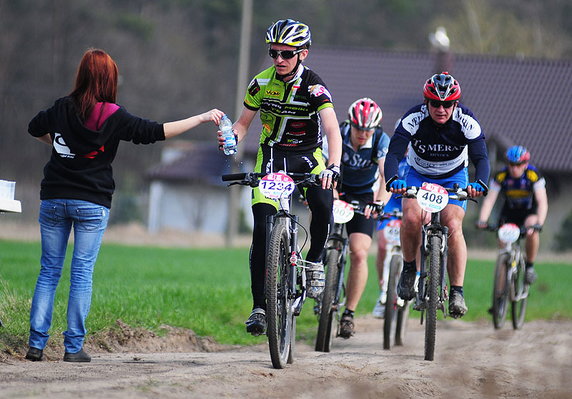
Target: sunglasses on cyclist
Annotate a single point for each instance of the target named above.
(516, 163)
(285, 54)
(445, 104)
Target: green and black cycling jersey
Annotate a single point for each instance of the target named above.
(289, 110)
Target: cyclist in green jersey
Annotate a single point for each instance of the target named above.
(295, 110)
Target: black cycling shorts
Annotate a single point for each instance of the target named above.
(359, 223)
(516, 216)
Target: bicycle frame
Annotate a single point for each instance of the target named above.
(516, 260)
(284, 216)
(342, 241)
(433, 228)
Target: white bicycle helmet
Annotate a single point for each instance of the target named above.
(365, 114)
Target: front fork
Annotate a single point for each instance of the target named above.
(421, 298)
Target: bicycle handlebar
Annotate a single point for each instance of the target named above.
(252, 178)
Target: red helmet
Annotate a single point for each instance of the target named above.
(365, 114)
(442, 87)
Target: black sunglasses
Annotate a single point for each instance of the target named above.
(516, 163)
(445, 104)
(285, 54)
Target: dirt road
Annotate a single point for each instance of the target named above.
(472, 361)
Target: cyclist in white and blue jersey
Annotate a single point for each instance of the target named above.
(364, 146)
(442, 135)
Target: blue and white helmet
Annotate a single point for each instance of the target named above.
(517, 154)
(289, 32)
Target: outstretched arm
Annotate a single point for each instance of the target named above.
(176, 128)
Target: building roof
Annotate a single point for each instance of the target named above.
(517, 101)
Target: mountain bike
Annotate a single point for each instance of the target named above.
(330, 303)
(432, 293)
(285, 281)
(509, 281)
(396, 309)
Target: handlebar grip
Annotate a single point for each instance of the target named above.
(233, 176)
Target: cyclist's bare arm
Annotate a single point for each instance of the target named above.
(542, 204)
(243, 123)
(382, 194)
(488, 204)
(330, 126)
(332, 129)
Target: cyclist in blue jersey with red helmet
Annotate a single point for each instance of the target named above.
(526, 202)
(442, 135)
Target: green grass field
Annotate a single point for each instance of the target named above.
(208, 291)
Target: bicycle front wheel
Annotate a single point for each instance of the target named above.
(518, 305)
(279, 296)
(328, 307)
(433, 293)
(500, 290)
(390, 316)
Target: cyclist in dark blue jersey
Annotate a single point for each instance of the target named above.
(364, 146)
(525, 202)
(442, 136)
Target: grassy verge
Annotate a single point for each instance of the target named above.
(208, 291)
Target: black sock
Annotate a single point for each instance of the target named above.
(529, 264)
(458, 288)
(408, 266)
(348, 312)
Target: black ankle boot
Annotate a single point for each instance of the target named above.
(80, 356)
(34, 354)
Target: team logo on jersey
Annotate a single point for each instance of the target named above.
(253, 88)
(319, 90)
(61, 147)
(273, 93)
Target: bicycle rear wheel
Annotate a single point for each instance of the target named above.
(518, 306)
(500, 290)
(391, 310)
(433, 293)
(279, 296)
(328, 307)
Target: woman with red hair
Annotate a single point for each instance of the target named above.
(84, 130)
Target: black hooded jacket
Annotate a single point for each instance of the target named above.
(80, 164)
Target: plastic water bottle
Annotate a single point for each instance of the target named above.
(229, 146)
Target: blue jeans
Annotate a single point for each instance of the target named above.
(56, 220)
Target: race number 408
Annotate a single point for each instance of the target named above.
(432, 197)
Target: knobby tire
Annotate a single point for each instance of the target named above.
(433, 293)
(391, 309)
(518, 307)
(325, 333)
(501, 290)
(279, 315)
